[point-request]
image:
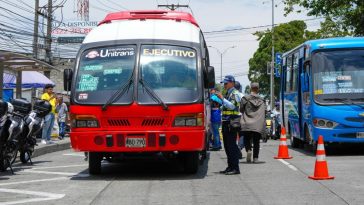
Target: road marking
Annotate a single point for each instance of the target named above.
(288, 165)
(56, 173)
(45, 196)
(74, 154)
(55, 167)
(32, 181)
(46, 172)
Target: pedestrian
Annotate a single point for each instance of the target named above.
(49, 96)
(240, 134)
(62, 111)
(252, 121)
(216, 102)
(230, 124)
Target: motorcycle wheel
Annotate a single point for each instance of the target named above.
(3, 165)
(24, 157)
(14, 156)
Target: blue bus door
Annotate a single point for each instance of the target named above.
(305, 103)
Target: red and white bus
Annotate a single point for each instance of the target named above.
(140, 84)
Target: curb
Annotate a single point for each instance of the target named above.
(42, 149)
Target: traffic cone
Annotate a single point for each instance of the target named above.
(321, 170)
(283, 148)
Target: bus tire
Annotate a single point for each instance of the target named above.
(94, 163)
(191, 162)
(295, 142)
(309, 141)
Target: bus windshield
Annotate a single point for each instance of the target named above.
(104, 70)
(338, 75)
(171, 71)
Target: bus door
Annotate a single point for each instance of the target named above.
(305, 81)
(294, 114)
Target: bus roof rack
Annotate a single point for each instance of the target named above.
(149, 14)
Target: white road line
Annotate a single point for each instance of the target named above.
(46, 196)
(288, 164)
(46, 172)
(74, 154)
(55, 167)
(56, 173)
(32, 181)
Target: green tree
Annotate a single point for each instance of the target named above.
(286, 37)
(348, 15)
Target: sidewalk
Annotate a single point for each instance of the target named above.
(58, 145)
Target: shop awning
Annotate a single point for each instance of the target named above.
(29, 79)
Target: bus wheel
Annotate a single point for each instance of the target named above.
(191, 162)
(309, 141)
(94, 163)
(295, 143)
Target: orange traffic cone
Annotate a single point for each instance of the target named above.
(321, 170)
(283, 149)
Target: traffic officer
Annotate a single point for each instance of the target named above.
(230, 129)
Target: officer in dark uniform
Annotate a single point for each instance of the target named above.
(230, 111)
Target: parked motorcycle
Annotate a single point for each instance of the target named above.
(19, 126)
(33, 125)
(11, 130)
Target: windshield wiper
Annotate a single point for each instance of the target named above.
(345, 101)
(120, 92)
(153, 94)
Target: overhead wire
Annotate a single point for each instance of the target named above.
(253, 27)
(118, 4)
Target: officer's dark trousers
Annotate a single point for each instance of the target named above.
(230, 146)
(250, 136)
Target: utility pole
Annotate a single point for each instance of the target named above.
(48, 40)
(272, 63)
(173, 7)
(36, 25)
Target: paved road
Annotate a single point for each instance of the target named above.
(62, 178)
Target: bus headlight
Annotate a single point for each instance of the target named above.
(188, 120)
(321, 123)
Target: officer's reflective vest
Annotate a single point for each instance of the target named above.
(231, 98)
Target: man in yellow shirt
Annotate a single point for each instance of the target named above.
(49, 96)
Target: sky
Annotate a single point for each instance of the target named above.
(211, 15)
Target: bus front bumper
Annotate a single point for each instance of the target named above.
(138, 141)
(347, 135)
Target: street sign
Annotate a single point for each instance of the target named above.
(278, 58)
(276, 71)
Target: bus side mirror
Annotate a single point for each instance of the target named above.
(67, 79)
(210, 77)
(304, 82)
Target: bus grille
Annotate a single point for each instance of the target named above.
(118, 122)
(153, 122)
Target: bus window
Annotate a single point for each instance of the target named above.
(295, 71)
(289, 74)
(338, 75)
(171, 71)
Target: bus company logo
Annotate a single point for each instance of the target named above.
(92, 54)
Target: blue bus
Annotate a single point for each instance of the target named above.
(322, 91)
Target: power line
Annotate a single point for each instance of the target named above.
(254, 27)
(118, 4)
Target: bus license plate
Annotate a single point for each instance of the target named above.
(135, 142)
(360, 135)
